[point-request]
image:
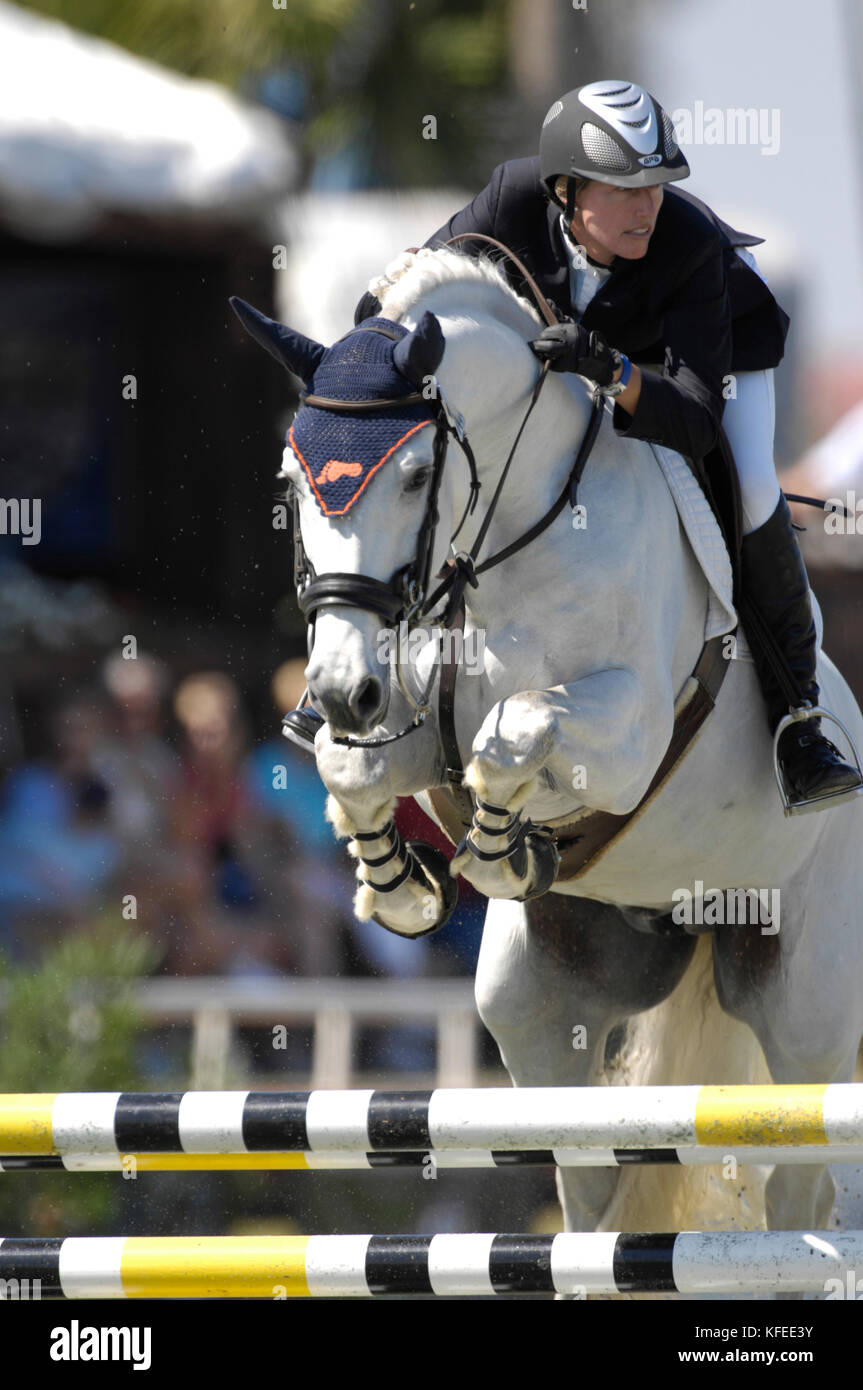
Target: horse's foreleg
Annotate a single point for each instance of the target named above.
(403, 887)
(506, 856)
(585, 738)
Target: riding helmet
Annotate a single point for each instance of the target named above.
(611, 131)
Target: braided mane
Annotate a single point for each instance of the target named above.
(413, 275)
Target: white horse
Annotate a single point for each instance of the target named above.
(587, 637)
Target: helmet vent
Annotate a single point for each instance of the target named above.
(602, 150)
(552, 112)
(668, 137)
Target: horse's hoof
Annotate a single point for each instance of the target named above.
(435, 867)
(434, 872)
(542, 855)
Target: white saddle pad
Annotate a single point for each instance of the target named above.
(705, 537)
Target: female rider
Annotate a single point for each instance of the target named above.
(646, 275)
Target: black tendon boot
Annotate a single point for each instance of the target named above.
(777, 616)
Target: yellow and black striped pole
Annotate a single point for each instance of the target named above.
(614, 1118)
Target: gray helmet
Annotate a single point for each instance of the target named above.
(612, 131)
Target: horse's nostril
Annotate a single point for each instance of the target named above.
(366, 697)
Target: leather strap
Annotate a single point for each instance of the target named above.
(580, 842)
(446, 726)
(461, 814)
(350, 407)
(569, 493)
(356, 590)
(541, 302)
(446, 805)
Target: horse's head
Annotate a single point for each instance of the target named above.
(365, 454)
(368, 416)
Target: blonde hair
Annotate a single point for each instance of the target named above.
(561, 182)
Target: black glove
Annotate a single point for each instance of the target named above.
(571, 348)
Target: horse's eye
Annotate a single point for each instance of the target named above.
(418, 480)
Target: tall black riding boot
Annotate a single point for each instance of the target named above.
(777, 616)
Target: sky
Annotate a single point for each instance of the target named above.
(793, 60)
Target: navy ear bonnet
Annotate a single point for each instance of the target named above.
(341, 451)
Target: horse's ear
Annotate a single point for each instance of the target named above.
(293, 350)
(417, 356)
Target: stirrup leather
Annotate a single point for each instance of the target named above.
(813, 803)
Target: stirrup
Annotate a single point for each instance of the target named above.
(812, 803)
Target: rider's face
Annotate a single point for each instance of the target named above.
(612, 221)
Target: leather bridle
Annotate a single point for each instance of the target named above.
(402, 599)
(405, 597)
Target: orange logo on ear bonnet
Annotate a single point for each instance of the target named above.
(334, 469)
(342, 450)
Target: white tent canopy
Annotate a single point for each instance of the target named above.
(87, 128)
(337, 242)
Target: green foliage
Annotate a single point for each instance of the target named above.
(373, 69)
(399, 63)
(69, 1024)
(215, 39)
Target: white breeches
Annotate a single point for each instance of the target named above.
(749, 421)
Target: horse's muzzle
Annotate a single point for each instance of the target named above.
(356, 711)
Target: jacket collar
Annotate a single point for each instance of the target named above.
(614, 297)
(553, 275)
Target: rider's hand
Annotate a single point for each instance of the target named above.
(571, 348)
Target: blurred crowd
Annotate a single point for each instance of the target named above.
(152, 799)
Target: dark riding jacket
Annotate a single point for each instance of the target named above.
(691, 304)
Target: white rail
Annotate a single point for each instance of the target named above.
(335, 1009)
